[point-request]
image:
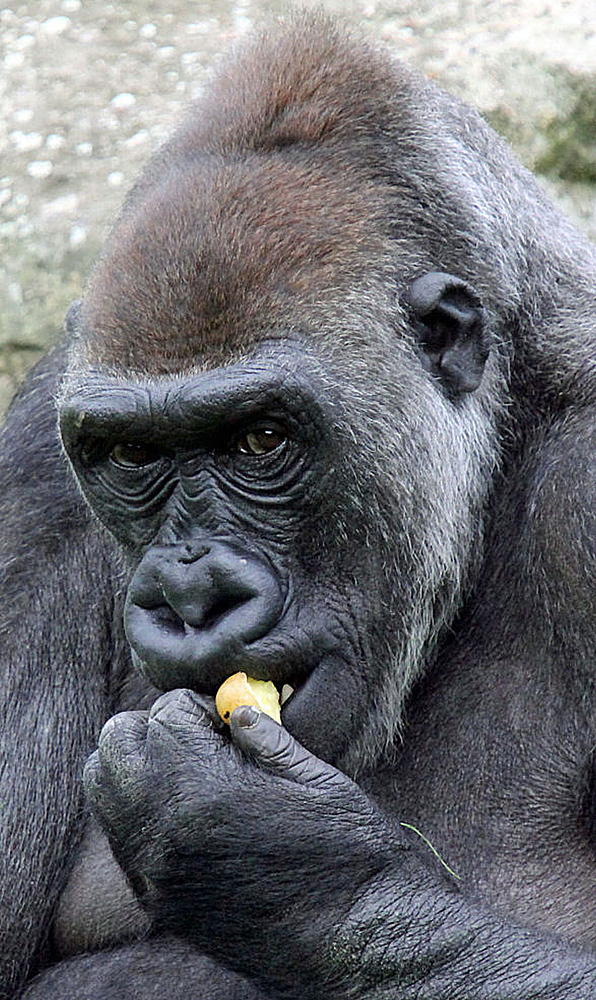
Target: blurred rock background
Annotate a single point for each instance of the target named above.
(89, 88)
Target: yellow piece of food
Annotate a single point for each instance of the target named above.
(242, 690)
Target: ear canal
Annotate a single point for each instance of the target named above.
(450, 325)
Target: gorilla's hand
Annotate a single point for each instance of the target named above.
(281, 868)
(251, 846)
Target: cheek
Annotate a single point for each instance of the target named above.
(326, 713)
(334, 708)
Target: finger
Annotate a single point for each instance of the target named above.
(91, 776)
(122, 740)
(187, 718)
(191, 702)
(102, 790)
(272, 747)
(119, 758)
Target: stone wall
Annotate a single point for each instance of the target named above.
(89, 89)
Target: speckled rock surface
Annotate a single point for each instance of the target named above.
(89, 89)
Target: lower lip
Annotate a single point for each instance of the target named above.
(303, 700)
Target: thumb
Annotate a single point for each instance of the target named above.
(272, 747)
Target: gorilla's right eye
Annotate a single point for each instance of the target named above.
(260, 441)
(127, 455)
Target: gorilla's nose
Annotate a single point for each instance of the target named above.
(192, 609)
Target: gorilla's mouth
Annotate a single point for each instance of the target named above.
(167, 680)
(310, 707)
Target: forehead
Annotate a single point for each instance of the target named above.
(222, 252)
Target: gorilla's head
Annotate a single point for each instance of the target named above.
(279, 400)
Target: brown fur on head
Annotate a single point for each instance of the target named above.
(215, 254)
(267, 198)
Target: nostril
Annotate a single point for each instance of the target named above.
(164, 617)
(199, 615)
(219, 609)
(191, 553)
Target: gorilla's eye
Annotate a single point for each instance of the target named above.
(127, 455)
(260, 441)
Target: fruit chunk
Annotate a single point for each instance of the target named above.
(242, 690)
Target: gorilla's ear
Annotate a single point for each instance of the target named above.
(449, 321)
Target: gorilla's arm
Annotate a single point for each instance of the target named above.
(55, 651)
(281, 868)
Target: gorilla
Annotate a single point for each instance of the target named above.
(325, 415)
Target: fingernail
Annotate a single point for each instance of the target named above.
(246, 716)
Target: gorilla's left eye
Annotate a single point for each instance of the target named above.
(260, 441)
(128, 455)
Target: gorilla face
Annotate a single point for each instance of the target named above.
(224, 488)
(244, 497)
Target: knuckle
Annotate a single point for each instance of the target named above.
(118, 729)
